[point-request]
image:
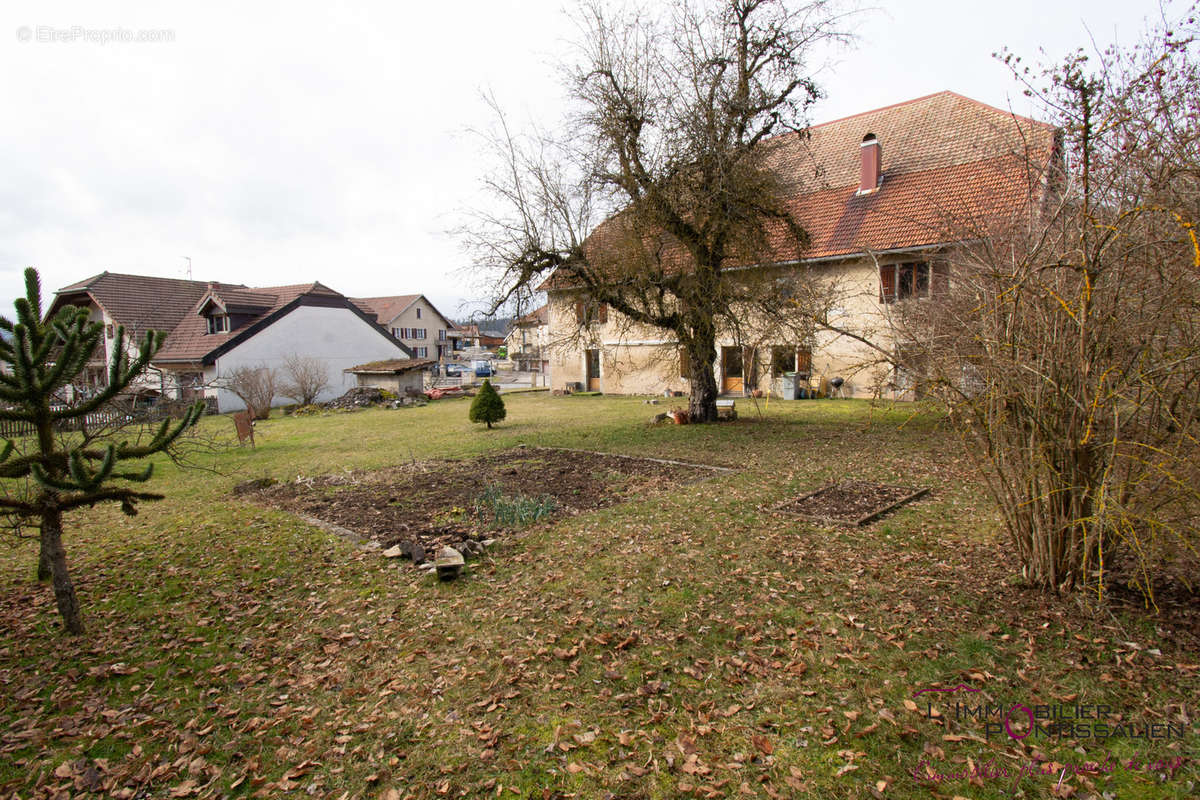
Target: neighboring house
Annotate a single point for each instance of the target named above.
(883, 196)
(400, 376)
(528, 339)
(474, 338)
(216, 328)
(138, 302)
(412, 319)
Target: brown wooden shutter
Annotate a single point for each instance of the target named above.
(685, 364)
(887, 283)
(580, 311)
(603, 315)
(803, 360)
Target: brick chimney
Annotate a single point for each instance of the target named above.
(872, 164)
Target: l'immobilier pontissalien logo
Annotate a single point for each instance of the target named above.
(1051, 720)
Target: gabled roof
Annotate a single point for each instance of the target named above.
(180, 307)
(190, 341)
(539, 316)
(947, 160)
(388, 308)
(139, 302)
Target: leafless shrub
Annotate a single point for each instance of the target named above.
(1068, 347)
(305, 378)
(255, 386)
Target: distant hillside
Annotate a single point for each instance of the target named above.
(487, 324)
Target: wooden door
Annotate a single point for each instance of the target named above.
(732, 363)
(593, 370)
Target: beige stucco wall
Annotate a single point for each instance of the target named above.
(429, 319)
(637, 359)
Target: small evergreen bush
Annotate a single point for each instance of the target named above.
(487, 405)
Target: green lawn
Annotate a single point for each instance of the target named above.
(686, 644)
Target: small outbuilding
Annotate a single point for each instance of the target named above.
(401, 376)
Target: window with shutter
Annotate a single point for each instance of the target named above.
(905, 281)
(685, 363)
(588, 312)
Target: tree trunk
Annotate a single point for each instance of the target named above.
(702, 353)
(43, 573)
(64, 590)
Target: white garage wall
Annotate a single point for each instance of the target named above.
(336, 336)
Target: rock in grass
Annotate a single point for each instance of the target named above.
(449, 563)
(393, 552)
(418, 554)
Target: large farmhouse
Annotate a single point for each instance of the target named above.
(882, 195)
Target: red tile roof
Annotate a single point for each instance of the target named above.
(949, 163)
(190, 340)
(139, 302)
(539, 316)
(388, 308)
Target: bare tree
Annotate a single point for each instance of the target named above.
(671, 144)
(305, 378)
(1068, 347)
(255, 386)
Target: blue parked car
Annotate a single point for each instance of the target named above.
(483, 369)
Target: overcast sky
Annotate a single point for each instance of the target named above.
(293, 142)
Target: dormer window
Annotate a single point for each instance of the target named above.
(218, 323)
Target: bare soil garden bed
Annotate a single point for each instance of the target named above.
(850, 502)
(439, 503)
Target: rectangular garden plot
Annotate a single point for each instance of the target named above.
(438, 503)
(850, 502)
